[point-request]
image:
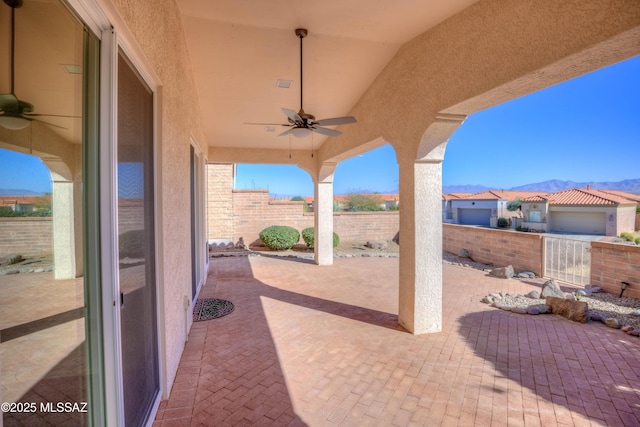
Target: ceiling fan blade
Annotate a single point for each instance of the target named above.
(47, 123)
(286, 132)
(337, 121)
(292, 115)
(51, 115)
(325, 131)
(268, 124)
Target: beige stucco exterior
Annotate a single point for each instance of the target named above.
(488, 53)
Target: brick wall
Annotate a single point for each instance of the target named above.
(637, 222)
(501, 247)
(363, 226)
(612, 263)
(253, 212)
(219, 201)
(26, 236)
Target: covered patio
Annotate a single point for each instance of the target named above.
(310, 346)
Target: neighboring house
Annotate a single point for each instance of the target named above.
(581, 211)
(486, 207)
(18, 203)
(447, 209)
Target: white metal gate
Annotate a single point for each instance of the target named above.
(567, 260)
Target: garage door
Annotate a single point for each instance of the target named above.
(578, 222)
(474, 216)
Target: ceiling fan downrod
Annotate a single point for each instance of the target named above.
(13, 4)
(301, 33)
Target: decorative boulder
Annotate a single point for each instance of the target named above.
(612, 322)
(552, 289)
(533, 295)
(592, 289)
(376, 244)
(577, 311)
(526, 275)
(502, 272)
(464, 253)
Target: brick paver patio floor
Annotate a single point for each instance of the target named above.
(320, 346)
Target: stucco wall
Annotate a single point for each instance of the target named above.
(613, 263)
(156, 29)
(626, 219)
(501, 247)
(26, 236)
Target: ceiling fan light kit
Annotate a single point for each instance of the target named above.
(301, 124)
(13, 123)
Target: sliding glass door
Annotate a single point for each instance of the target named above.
(136, 244)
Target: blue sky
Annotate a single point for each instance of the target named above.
(586, 129)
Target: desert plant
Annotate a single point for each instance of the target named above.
(308, 237)
(629, 237)
(503, 222)
(637, 241)
(279, 237)
(515, 206)
(359, 202)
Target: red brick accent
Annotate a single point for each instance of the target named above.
(501, 247)
(637, 222)
(26, 236)
(613, 263)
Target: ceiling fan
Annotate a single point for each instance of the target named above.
(14, 113)
(301, 124)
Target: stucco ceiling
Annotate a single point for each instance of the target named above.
(239, 49)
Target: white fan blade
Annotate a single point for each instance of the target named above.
(292, 115)
(337, 121)
(286, 132)
(325, 131)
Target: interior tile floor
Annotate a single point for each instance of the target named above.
(320, 346)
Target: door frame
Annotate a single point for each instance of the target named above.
(104, 21)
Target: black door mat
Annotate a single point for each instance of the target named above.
(211, 308)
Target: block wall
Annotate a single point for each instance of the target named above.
(220, 201)
(26, 236)
(613, 263)
(253, 211)
(500, 247)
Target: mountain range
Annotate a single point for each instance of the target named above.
(18, 192)
(551, 186)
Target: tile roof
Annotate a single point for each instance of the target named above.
(503, 195)
(582, 196)
(450, 196)
(630, 196)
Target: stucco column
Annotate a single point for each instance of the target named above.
(323, 214)
(67, 228)
(420, 293)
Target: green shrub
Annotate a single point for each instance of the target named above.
(637, 241)
(279, 237)
(503, 222)
(519, 228)
(308, 237)
(627, 236)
